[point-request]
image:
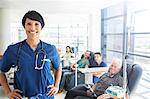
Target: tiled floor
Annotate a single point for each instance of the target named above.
(143, 89)
(60, 96)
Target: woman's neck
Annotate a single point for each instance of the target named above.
(33, 43)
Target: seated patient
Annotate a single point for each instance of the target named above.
(67, 57)
(111, 78)
(82, 63)
(97, 62)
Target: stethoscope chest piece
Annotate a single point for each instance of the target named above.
(40, 58)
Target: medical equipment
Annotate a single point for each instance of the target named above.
(39, 59)
(115, 91)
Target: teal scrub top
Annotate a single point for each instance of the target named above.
(29, 80)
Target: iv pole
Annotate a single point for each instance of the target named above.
(76, 66)
(125, 48)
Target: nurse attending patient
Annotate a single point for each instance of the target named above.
(32, 59)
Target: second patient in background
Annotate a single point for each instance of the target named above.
(66, 58)
(97, 62)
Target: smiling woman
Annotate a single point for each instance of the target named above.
(33, 24)
(32, 59)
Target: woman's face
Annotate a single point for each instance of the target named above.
(32, 28)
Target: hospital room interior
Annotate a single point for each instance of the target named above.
(85, 28)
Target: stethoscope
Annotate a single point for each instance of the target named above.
(37, 57)
(43, 52)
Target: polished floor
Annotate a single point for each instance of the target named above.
(142, 91)
(58, 96)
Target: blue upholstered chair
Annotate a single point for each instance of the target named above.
(134, 73)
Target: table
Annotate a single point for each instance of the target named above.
(89, 72)
(93, 70)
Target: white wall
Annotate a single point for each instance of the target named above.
(5, 34)
(85, 10)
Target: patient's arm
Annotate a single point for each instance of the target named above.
(107, 96)
(104, 96)
(98, 74)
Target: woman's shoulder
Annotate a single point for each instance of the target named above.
(15, 45)
(48, 46)
(13, 48)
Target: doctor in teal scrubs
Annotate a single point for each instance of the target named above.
(32, 60)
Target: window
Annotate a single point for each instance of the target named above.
(128, 32)
(112, 32)
(61, 35)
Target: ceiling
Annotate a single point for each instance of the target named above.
(57, 6)
(17, 8)
(53, 6)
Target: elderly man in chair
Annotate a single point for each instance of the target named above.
(102, 89)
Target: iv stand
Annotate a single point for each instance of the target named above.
(76, 69)
(126, 33)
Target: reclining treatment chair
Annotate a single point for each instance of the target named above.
(134, 73)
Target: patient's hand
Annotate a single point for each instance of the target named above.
(104, 96)
(94, 87)
(108, 96)
(73, 67)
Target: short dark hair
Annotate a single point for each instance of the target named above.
(33, 15)
(69, 48)
(98, 53)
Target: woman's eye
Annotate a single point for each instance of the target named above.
(28, 23)
(36, 24)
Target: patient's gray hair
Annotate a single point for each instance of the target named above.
(117, 61)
